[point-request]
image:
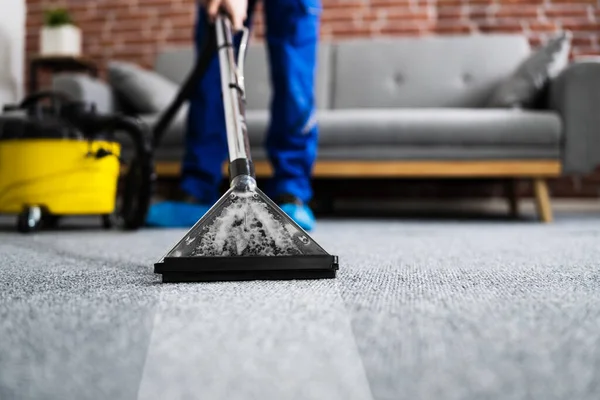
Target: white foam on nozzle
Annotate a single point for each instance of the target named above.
(246, 227)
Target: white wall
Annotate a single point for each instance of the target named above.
(12, 50)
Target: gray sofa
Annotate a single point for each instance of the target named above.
(413, 107)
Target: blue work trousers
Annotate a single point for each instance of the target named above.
(291, 33)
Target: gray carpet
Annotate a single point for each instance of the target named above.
(421, 310)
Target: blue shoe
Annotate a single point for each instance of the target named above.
(174, 214)
(299, 212)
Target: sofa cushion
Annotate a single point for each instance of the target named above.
(439, 153)
(437, 71)
(175, 63)
(380, 128)
(438, 127)
(431, 127)
(404, 153)
(524, 86)
(144, 90)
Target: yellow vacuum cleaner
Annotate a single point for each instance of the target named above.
(63, 159)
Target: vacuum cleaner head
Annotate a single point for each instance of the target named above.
(244, 236)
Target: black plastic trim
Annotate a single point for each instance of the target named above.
(208, 269)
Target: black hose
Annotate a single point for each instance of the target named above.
(140, 179)
(205, 56)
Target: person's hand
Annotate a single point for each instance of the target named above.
(236, 9)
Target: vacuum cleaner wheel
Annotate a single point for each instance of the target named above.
(30, 219)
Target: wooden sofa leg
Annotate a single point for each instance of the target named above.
(542, 199)
(512, 195)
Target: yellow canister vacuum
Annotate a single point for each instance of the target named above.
(60, 158)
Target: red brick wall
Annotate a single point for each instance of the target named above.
(135, 29)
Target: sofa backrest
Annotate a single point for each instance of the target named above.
(436, 71)
(176, 63)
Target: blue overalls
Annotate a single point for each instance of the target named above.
(292, 30)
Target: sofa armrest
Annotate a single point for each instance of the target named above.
(85, 88)
(575, 95)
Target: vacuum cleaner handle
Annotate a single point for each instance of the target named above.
(34, 98)
(205, 56)
(232, 87)
(219, 38)
(32, 103)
